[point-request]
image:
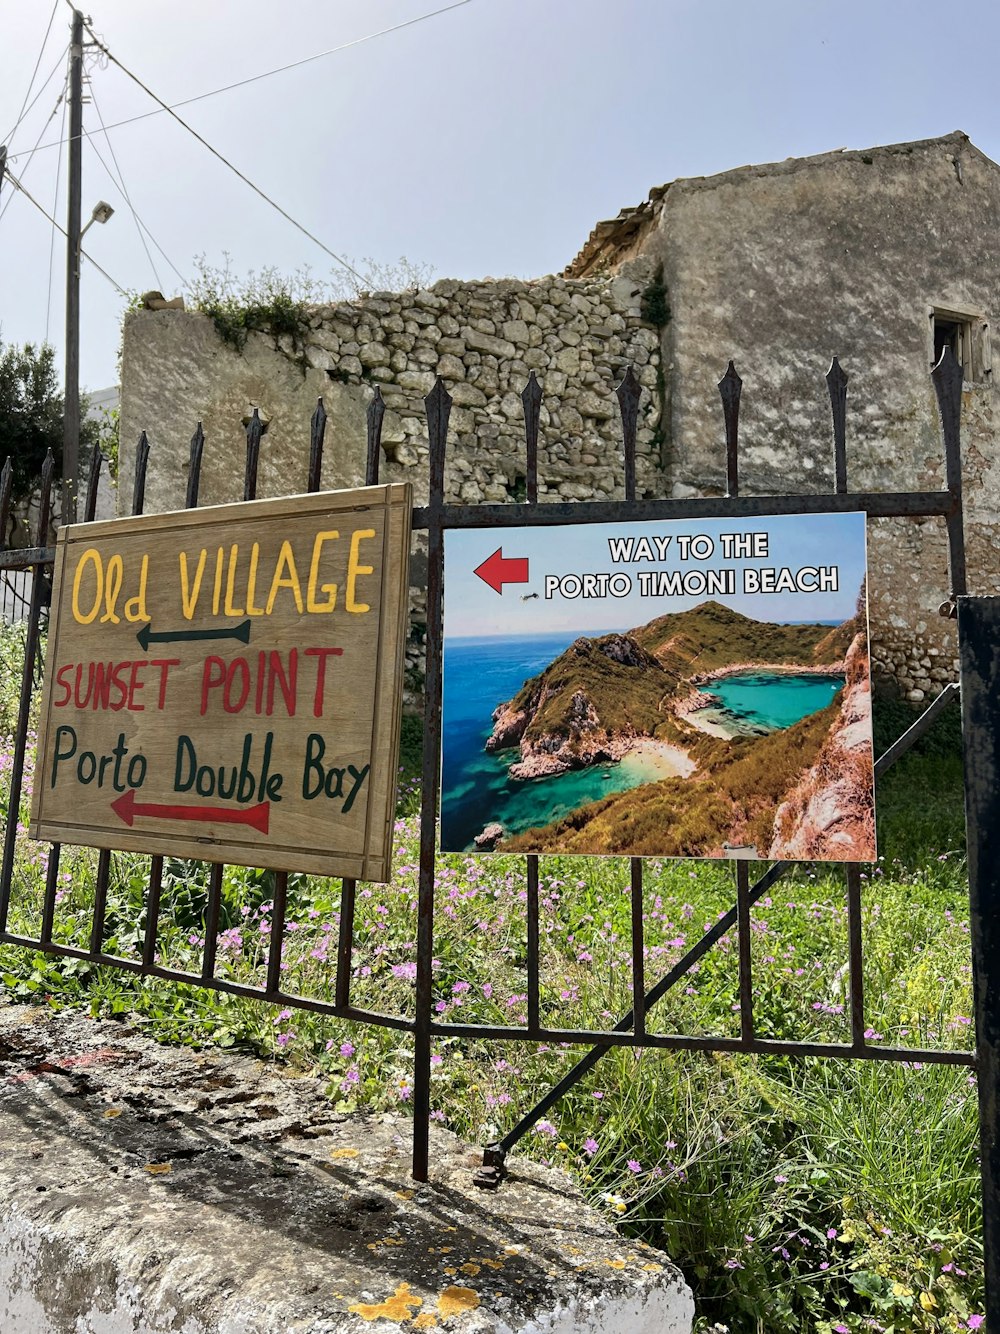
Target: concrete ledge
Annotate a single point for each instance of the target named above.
(145, 1189)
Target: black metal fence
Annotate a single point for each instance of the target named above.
(15, 595)
(980, 634)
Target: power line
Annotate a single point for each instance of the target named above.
(31, 81)
(48, 79)
(120, 183)
(320, 55)
(48, 122)
(254, 78)
(45, 214)
(225, 161)
(128, 197)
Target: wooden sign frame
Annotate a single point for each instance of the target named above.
(265, 730)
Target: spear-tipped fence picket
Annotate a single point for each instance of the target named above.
(981, 688)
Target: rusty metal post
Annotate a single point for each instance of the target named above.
(979, 649)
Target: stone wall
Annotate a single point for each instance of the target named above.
(849, 253)
(483, 339)
(23, 530)
(777, 267)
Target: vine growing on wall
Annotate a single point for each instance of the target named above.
(270, 302)
(654, 305)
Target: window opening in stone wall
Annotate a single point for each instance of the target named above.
(967, 336)
(951, 334)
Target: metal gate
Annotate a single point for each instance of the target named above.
(979, 630)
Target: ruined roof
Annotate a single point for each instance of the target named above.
(618, 238)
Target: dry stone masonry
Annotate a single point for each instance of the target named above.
(484, 339)
(876, 256)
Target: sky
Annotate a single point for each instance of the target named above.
(486, 140)
(797, 543)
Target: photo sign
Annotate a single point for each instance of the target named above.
(677, 689)
(226, 683)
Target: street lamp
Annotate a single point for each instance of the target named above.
(102, 211)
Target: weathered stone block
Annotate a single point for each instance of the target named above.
(602, 407)
(450, 367)
(484, 342)
(467, 395)
(516, 331)
(418, 382)
(373, 354)
(248, 1163)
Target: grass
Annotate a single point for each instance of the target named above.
(797, 1195)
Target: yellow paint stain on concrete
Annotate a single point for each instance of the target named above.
(113, 1112)
(471, 1269)
(455, 1300)
(345, 1153)
(652, 1269)
(157, 1169)
(397, 1307)
(404, 1194)
(615, 1264)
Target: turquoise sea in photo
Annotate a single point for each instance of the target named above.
(751, 703)
(481, 673)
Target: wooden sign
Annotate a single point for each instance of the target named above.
(226, 683)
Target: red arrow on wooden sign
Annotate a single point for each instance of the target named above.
(498, 570)
(256, 816)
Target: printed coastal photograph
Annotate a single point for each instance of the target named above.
(672, 689)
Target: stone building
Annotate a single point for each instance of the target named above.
(879, 256)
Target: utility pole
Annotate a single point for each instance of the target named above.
(71, 398)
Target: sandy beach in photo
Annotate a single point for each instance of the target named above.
(658, 759)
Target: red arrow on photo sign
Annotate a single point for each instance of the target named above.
(498, 570)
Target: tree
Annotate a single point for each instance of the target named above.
(31, 415)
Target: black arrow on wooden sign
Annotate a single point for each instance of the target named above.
(147, 636)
